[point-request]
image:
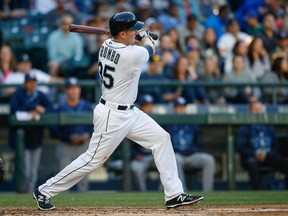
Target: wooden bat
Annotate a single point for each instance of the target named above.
(87, 29)
(97, 30)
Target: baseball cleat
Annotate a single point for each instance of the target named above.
(183, 199)
(43, 202)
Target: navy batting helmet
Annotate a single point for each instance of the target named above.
(124, 21)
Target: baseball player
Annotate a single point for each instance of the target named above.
(116, 117)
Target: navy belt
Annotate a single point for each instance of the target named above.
(119, 107)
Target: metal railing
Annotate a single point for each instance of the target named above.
(226, 120)
(95, 85)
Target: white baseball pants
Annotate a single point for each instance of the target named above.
(111, 126)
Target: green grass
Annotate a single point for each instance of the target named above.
(147, 199)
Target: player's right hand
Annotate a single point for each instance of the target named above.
(141, 34)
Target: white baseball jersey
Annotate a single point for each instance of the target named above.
(114, 119)
(119, 68)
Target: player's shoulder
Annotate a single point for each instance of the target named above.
(110, 43)
(140, 52)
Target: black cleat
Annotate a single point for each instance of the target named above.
(43, 202)
(183, 199)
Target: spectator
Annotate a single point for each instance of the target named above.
(103, 9)
(193, 53)
(44, 6)
(24, 66)
(211, 74)
(175, 36)
(218, 21)
(268, 34)
(187, 144)
(142, 158)
(247, 7)
(239, 75)
(181, 74)
(1, 38)
(11, 9)
(227, 40)
(193, 27)
(64, 47)
(170, 19)
(7, 62)
(27, 103)
(257, 146)
(258, 58)
(60, 10)
(254, 27)
(144, 10)
(278, 75)
(168, 47)
(154, 73)
(168, 65)
(285, 18)
(240, 48)
(276, 7)
(209, 46)
(188, 7)
(282, 48)
(123, 5)
(207, 7)
(74, 139)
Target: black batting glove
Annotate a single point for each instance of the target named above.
(141, 34)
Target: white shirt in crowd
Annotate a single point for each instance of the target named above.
(18, 78)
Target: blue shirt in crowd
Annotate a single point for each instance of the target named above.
(22, 101)
(64, 132)
(252, 138)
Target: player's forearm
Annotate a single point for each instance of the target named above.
(149, 45)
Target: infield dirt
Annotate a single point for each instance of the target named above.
(273, 210)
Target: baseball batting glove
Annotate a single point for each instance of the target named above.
(1, 170)
(143, 33)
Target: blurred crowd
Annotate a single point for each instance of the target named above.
(207, 41)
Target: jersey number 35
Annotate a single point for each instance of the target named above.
(106, 75)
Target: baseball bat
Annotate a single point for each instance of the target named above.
(88, 29)
(97, 30)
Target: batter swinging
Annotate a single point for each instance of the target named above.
(115, 117)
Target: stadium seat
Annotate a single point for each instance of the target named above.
(15, 38)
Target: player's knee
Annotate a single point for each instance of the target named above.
(210, 161)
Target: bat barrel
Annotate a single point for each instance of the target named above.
(87, 29)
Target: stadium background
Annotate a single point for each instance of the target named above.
(29, 33)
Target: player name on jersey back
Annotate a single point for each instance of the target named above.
(109, 53)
